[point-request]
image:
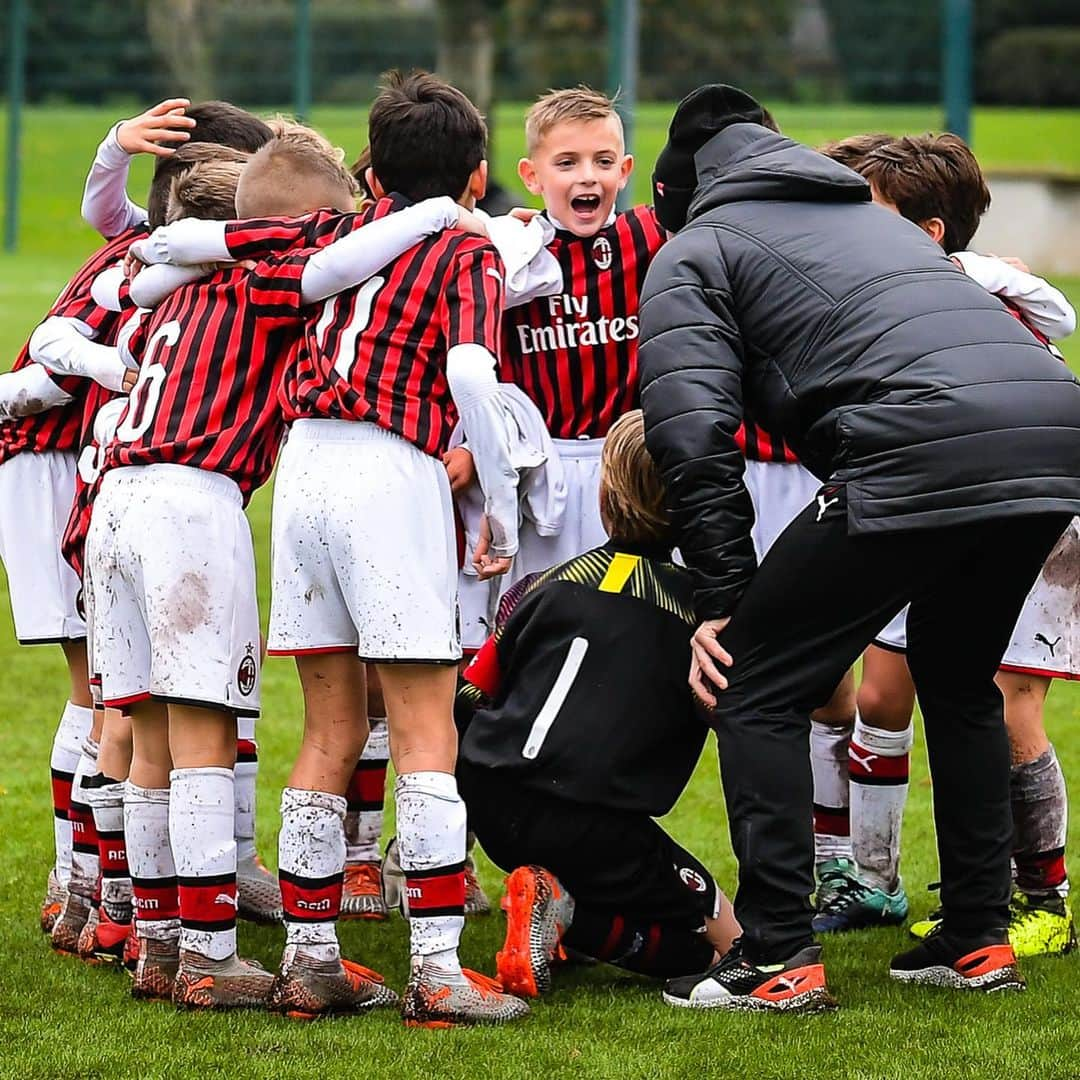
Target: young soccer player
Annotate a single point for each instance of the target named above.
(370, 400)
(575, 353)
(66, 347)
(224, 456)
(936, 182)
(562, 781)
(37, 471)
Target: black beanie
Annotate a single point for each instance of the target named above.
(698, 117)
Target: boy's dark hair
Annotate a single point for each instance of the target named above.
(218, 123)
(206, 190)
(928, 176)
(852, 151)
(292, 175)
(359, 170)
(180, 163)
(426, 137)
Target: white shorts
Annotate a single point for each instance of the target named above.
(172, 581)
(1046, 639)
(582, 531)
(364, 552)
(780, 491)
(36, 493)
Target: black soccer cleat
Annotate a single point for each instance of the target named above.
(986, 962)
(735, 983)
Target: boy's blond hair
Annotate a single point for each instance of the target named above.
(580, 104)
(294, 174)
(207, 190)
(632, 495)
(286, 127)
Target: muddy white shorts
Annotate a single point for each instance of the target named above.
(1046, 639)
(364, 552)
(780, 491)
(36, 493)
(582, 531)
(172, 579)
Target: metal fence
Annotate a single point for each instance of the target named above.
(296, 54)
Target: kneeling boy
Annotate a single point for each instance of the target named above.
(579, 729)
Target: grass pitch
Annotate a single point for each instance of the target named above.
(61, 1019)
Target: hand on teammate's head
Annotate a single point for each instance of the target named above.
(151, 132)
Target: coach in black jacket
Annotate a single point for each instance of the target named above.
(948, 442)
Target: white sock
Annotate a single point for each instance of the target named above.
(246, 774)
(879, 761)
(829, 762)
(365, 796)
(311, 866)
(431, 841)
(201, 825)
(150, 859)
(85, 864)
(74, 727)
(107, 803)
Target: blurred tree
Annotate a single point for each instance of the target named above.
(564, 42)
(183, 33)
(467, 46)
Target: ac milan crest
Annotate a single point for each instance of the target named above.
(601, 252)
(247, 673)
(692, 879)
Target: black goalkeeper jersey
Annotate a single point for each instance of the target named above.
(582, 693)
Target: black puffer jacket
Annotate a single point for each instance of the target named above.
(847, 330)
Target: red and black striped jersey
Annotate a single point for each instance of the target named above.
(261, 238)
(212, 356)
(757, 444)
(73, 541)
(377, 353)
(59, 428)
(575, 354)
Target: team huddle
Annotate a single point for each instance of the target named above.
(475, 567)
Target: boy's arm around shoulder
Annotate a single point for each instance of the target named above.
(28, 391)
(1042, 305)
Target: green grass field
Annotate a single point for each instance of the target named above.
(61, 1019)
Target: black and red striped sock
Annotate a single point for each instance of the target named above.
(649, 948)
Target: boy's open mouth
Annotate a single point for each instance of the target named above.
(585, 204)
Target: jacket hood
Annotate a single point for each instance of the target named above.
(750, 162)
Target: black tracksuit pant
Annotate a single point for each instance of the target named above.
(815, 603)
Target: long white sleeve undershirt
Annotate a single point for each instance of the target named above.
(105, 205)
(63, 346)
(344, 264)
(152, 284)
(1042, 305)
(531, 270)
(487, 425)
(28, 391)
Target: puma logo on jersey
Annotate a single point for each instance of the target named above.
(1051, 645)
(225, 898)
(492, 272)
(824, 504)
